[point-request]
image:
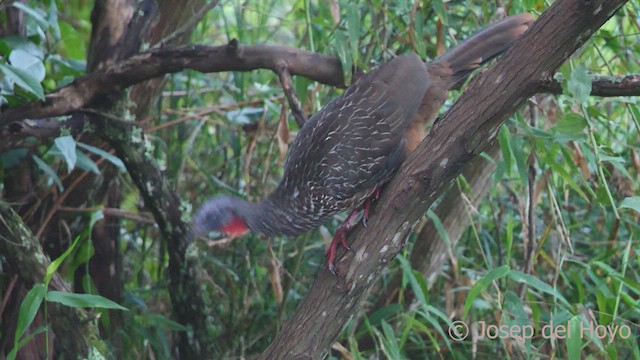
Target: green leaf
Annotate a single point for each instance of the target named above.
(28, 310)
(482, 284)
(385, 312)
(574, 341)
(353, 27)
(109, 157)
(26, 61)
(509, 237)
(85, 163)
(413, 281)
(439, 227)
(23, 79)
(538, 284)
(579, 84)
(67, 146)
(504, 139)
(35, 14)
(49, 171)
(389, 342)
(14, 352)
(344, 55)
(83, 300)
(571, 123)
(55, 264)
(632, 202)
(438, 7)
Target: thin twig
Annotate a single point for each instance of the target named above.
(294, 103)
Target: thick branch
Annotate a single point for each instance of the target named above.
(131, 145)
(89, 89)
(461, 135)
(92, 88)
(16, 131)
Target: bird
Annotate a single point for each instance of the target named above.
(344, 154)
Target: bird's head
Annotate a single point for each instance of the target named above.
(225, 215)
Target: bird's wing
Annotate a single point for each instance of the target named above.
(356, 141)
(365, 144)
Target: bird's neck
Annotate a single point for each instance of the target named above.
(272, 216)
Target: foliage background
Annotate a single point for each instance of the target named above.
(555, 238)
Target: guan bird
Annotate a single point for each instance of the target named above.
(345, 152)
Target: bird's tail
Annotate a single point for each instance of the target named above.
(483, 46)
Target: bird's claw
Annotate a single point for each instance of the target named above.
(332, 270)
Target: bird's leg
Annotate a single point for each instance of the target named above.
(367, 205)
(340, 238)
(341, 233)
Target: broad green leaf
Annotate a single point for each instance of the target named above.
(482, 284)
(26, 61)
(23, 79)
(83, 300)
(571, 123)
(28, 310)
(49, 171)
(579, 83)
(109, 157)
(632, 203)
(67, 146)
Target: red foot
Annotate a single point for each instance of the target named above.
(340, 238)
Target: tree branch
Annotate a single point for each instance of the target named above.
(605, 86)
(296, 108)
(90, 89)
(461, 135)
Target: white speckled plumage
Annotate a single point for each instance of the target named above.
(354, 144)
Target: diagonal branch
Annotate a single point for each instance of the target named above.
(294, 102)
(461, 135)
